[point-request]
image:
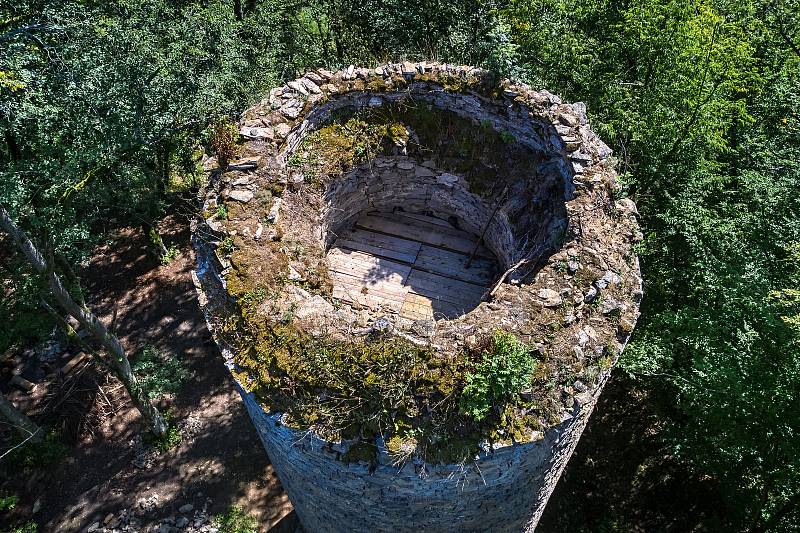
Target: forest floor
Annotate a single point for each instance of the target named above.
(619, 479)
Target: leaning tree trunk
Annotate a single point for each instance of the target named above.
(119, 361)
(24, 425)
(155, 240)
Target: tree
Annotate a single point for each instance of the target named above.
(700, 104)
(117, 359)
(103, 105)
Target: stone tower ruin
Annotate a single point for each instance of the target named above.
(389, 245)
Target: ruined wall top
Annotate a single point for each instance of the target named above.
(575, 300)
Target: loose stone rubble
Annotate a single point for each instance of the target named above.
(189, 519)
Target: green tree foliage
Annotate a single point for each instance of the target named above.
(102, 103)
(700, 102)
(335, 33)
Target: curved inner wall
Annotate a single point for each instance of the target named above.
(428, 227)
(408, 237)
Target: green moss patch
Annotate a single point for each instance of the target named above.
(385, 386)
(488, 159)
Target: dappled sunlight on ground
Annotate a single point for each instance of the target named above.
(220, 461)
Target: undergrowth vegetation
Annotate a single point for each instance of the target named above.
(160, 372)
(236, 520)
(30, 454)
(506, 368)
(387, 387)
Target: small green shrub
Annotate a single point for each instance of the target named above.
(160, 372)
(224, 136)
(227, 245)
(167, 441)
(38, 454)
(505, 369)
(8, 502)
(296, 160)
(169, 257)
(221, 213)
(253, 297)
(28, 527)
(507, 137)
(235, 520)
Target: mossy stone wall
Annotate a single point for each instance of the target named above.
(506, 487)
(502, 490)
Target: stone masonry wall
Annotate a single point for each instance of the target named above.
(389, 182)
(506, 486)
(503, 490)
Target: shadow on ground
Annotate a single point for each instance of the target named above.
(622, 476)
(220, 461)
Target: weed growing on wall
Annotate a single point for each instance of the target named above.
(506, 368)
(223, 139)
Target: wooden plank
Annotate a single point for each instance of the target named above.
(371, 301)
(374, 303)
(75, 361)
(401, 217)
(417, 307)
(398, 225)
(423, 218)
(23, 383)
(381, 240)
(385, 289)
(453, 265)
(379, 244)
(445, 289)
(360, 246)
(367, 267)
(416, 232)
(356, 294)
(444, 226)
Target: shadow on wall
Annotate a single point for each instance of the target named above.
(494, 171)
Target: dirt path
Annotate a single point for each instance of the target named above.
(220, 461)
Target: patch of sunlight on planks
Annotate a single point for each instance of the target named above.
(411, 264)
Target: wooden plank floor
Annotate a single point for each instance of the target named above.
(411, 264)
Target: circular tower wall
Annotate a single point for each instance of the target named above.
(421, 283)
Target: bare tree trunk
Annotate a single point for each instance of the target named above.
(119, 361)
(24, 425)
(13, 147)
(155, 240)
